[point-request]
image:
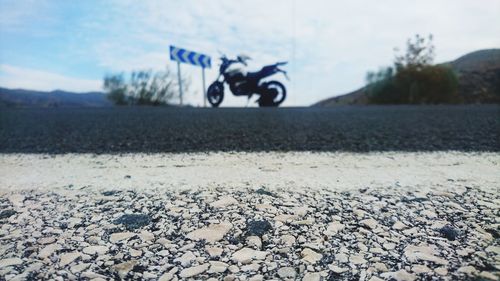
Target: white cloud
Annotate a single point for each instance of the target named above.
(16, 77)
(330, 44)
(15, 15)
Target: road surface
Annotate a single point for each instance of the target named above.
(353, 129)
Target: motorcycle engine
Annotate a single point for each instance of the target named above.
(236, 77)
(234, 70)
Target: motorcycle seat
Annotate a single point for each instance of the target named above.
(253, 75)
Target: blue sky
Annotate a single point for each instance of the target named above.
(71, 45)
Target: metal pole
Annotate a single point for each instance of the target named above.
(204, 91)
(180, 80)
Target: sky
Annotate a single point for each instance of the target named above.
(330, 44)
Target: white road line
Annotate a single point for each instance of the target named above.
(338, 171)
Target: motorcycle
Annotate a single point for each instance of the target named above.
(271, 93)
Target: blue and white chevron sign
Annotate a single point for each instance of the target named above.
(185, 56)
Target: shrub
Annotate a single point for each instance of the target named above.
(413, 79)
(143, 88)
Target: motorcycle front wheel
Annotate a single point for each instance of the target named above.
(215, 93)
(274, 95)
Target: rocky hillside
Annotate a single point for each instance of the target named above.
(479, 80)
(28, 98)
(479, 76)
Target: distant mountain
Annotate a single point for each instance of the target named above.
(478, 78)
(28, 98)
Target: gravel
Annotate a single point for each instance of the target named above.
(7, 213)
(133, 221)
(258, 228)
(360, 234)
(358, 129)
(449, 232)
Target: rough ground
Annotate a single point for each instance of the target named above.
(358, 129)
(252, 234)
(378, 216)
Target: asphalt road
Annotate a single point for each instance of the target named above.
(358, 129)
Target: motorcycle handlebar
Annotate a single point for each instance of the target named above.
(229, 61)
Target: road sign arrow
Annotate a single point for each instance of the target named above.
(206, 61)
(190, 57)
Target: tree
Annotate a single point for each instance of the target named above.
(143, 88)
(413, 79)
(419, 53)
(116, 88)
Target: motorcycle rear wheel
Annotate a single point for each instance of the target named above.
(215, 93)
(279, 91)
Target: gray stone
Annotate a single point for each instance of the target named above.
(117, 237)
(193, 271)
(371, 223)
(246, 255)
(68, 258)
(133, 221)
(400, 275)
(311, 256)
(49, 250)
(287, 273)
(311, 276)
(224, 202)
(212, 233)
(124, 268)
(168, 275)
(10, 262)
(92, 250)
(425, 253)
(186, 259)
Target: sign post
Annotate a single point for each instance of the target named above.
(182, 55)
(180, 81)
(204, 91)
